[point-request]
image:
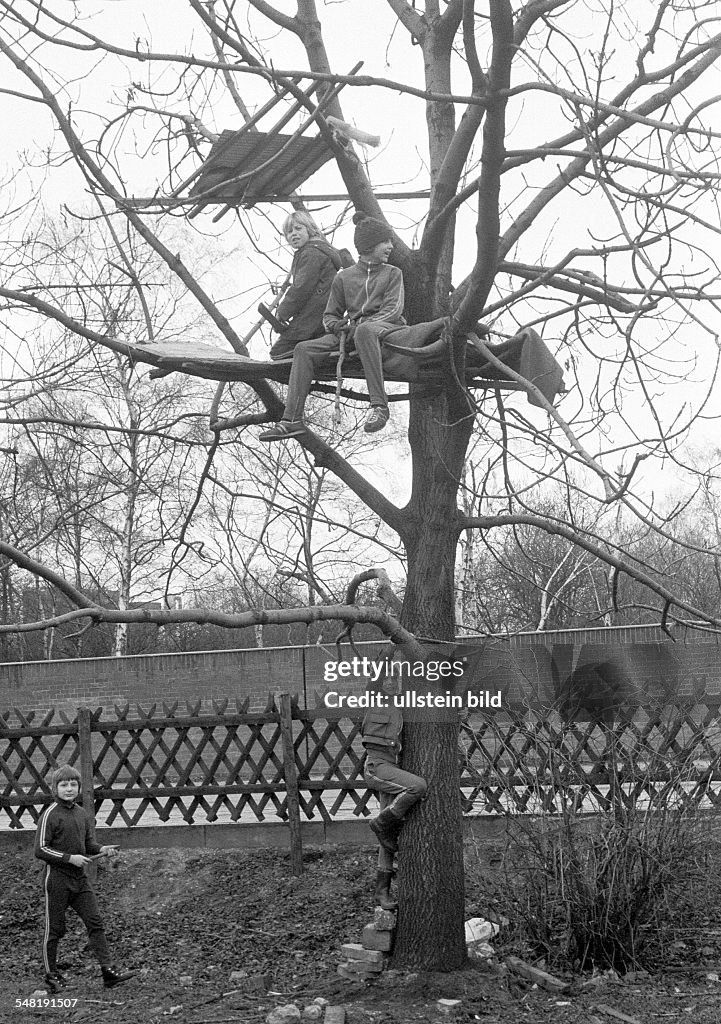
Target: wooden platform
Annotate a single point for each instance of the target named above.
(525, 354)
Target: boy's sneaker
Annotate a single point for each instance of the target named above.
(283, 430)
(55, 981)
(376, 419)
(112, 977)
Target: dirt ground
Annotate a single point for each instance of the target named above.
(185, 920)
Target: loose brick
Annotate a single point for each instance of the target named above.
(372, 938)
(354, 975)
(334, 1015)
(358, 969)
(354, 951)
(384, 920)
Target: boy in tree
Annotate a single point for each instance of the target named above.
(398, 790)
(65, 841)
(315, 264)
(365, 301)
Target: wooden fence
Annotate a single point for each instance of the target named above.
(181, 764)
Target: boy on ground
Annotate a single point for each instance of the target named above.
(365, 301)
(64, 840)
(398, 790)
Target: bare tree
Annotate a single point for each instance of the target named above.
(570, 176)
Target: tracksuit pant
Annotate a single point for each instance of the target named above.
(308, 356)
(62, 891)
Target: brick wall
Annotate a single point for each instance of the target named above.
(526, 668)
(146, 679)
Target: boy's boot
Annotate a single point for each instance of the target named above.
(383, 890)
(55, 981)
(386, 827)
(113, 977)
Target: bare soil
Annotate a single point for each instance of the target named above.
(185, 920)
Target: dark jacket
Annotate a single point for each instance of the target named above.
(366, 291)
(62, 831)
(381, 733)
(312, 271)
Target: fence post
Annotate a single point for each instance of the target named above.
(291, 785)
(85, 748)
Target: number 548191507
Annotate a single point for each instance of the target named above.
(45, 1002)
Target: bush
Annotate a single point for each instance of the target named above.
(591, 882)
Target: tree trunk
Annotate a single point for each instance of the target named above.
(430, 878)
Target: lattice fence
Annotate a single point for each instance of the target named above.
(180, 764)
(531, 761)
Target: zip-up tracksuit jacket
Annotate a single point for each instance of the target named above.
(64, 830)
(369, 298)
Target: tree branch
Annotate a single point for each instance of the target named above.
(38, 569)
(329, 459)
(610, 490)
(410, 19)
(710, 53)
(86, 162)
(354, 615)
(530, 15)
(265, 393)
(561, 530)
(494, 131)
(385, 590)
(277, 17)
(227, 76)
(442, 201)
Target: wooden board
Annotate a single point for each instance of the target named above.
(213, 363)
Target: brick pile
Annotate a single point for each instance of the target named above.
(366, 959)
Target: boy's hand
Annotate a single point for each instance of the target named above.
(108, 851)
(78, 860)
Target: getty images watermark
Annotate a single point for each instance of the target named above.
(390, 677)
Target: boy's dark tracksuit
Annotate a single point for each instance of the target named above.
(64, 830)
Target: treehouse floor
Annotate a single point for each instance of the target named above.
(426, 362)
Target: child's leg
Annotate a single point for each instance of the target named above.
(307, 357)
(368, 348)
(57, 895)
(85, 905)
(404, 788)
(385, 858)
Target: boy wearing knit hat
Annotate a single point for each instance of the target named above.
(66, 843)
(366, 299)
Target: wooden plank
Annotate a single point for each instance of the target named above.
(616, 1014)
(536, 975)
(291, 785)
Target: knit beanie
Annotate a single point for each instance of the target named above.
(369, 232)
(65, 771)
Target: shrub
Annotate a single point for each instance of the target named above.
(590, 883)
